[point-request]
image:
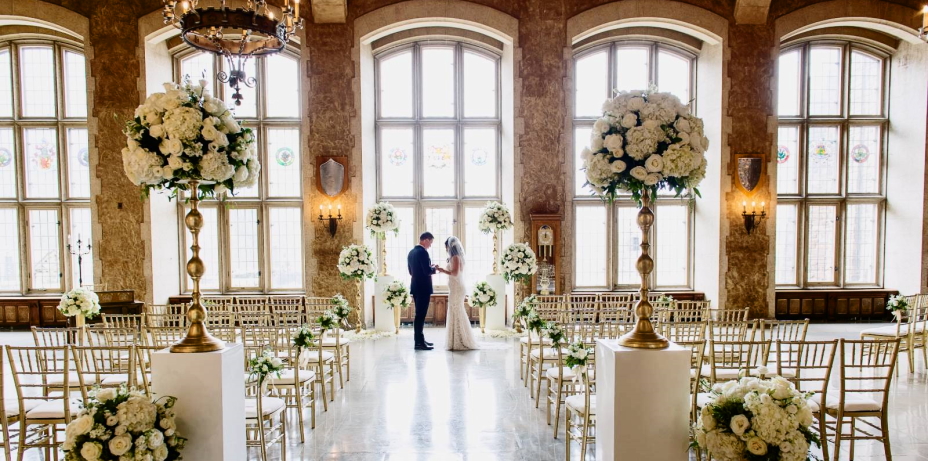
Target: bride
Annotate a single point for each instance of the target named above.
(460, 333)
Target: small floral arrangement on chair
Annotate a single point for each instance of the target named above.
(327, 321)
(119, 424)
(756, 419)
(356, 262)
(667, 301)
(898, 305)
(340, 307)
(79, 301)
(483, 296)
(555, 333)
(398, 296)
(535, 323)
(382, 219)
(518, 262)
(495, 217)
(525, 308)
(263, 365)
(577, 355)
(303, 338)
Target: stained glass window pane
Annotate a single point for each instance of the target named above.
(396, 162)
(789, 75)
(7, 164)
(437, 82)
(9, 250)
(823, 160)
(627, 241)
(75, 84)
(249, 106)
(243, 254)
(81, 274)
(398, 245)
(37, 80)
(41, 159)
(283, 171)
(45, 252)
(6, 84)
(788, 160)
(440, 222)
(480, 162)
(581, 141)
(860, 248)
(479, 86)
(78, 163)
(821, 254)
(590, 242)
(396, 85)
(866, 84)
(825, 81)
(787, 241)
(863, 160)
(672, 246)
(283, 86)
(591, 83)
(478, 247)
(438, 179)
(673, 75)
(209, 249)
(286, 234)
(198, 66)
(632, 69)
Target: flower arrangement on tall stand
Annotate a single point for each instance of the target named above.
(382, 219)
(645, 141)
(186, 140)
(356, 262)
(81, 304)
(397, 298)
(495, 219)
(484, 296)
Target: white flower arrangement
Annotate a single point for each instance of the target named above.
(483, 296)
(79, 301)
(356, 262)
(398, 296)
(555, 333)
(518, 262)
(578, 355)
(754, 418)
(327, 321)
(382, 219)
(496, 217)
(187, 134)
(119, 424)
(525, 308)
(897, 303)
(645, 141)
(303, 337)
(340, 307)
(263, 365)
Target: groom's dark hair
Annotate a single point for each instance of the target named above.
(426, 236)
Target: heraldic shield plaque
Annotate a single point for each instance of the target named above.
(332, 175)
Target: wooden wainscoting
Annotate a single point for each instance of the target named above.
(438, 311)
(25, 312)
(833, 305)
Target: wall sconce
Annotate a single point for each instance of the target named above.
(752, 219)
(923, 32)
(333, 220)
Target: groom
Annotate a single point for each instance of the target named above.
(421, 269)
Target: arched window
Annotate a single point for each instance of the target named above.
(438, 147)
(44, 167)
(598, 73)
(830, 193)
(255, 238)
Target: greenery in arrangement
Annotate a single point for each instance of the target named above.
(118, 424)
(534, 322)
(327, 321)
(518, 262)
(897, 303)
(79, 301)
(483, 296)
(495, 217)
(526, 307)
(356, 262)
(555, 333)
(667, 301)
(340, 307)
(398, 296)
(263, 365)
(382, 219)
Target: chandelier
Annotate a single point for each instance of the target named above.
(236, 34)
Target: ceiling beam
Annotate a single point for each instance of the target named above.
(749, 11)
(330, 11)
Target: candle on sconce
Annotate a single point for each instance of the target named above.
(744, 207)
(320, 209)
(753, 207)
(763, 207)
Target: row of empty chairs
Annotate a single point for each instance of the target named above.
(910, 328)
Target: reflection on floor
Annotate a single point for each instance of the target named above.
(411, 405)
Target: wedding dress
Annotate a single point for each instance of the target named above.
(460, 333)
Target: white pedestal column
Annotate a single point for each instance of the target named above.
(383, 316)
(496, 315)
(642, 403)
(210, 391)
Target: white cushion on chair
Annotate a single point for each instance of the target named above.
(569, 374)
(57, 379)
(721, 374)
(852, 402)
(286, 377)
(269, 406)
(550, 353)
(545, 341)
(12, 406)
(890, 330)
(53, 409)
(578, 403)
(314, 356)
(330, 342)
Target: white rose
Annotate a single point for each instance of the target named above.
(167, 173)
(120, 444)
(170, 146)
(155, 439)
(600, 126)
(80, 426)
(585, 154)
(214, 106)
(231, 125)
(596, 143)
(708, 421)
(635, 103)
(651, 124)
(682, 125)
(757, 446)
(156, 131)
(106, 394)
(112, 420)
(613, 142)
(91, 451)
(639, 173)
(652, 179)
(617, 166)
(629, 120)
(175, 162)
(160, 453)
(739, 424)
(654, 163)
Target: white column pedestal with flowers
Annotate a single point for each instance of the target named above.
(496, 313)
(383, 314)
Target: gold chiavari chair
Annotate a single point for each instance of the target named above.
(545, 358)
(292, 302)
(729, 315)
(865, 372)
(772, 331)
(105, 367)
(581, 415)
(909, 329)
(582, 321)
(323, 363)
(733, 359)
(808, 364)
(143, 364)
(124, 320)
(10, 411)
(685, 311)
(43, 414)
(265, 419)
(616, 318)
(165, 336)
(282, 316)
(249, 304)
(166, 320)
(552, 309)
(683, 331)
(562, 383)
(260, 318)
(113, 336)
(166, 309)
(316, 305)
(225, 332)
(697, 349)
(55, 337)
(217, 303)
(729, 331)
(296, 384)
(215, 319)
(336, 343)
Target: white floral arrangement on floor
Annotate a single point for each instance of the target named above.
(382, 219)
(117, 424)
(495, 217)
(483, 296)
(756, 419)
(898, 305)
(79, 301)
(261, 366)
(645, 141)
(340, 307)
(356, 262)
(518, 262)
(398, 296)
(186, 134)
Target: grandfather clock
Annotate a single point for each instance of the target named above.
(546, 239)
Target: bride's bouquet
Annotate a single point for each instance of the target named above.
(518, 262)
(495, 217)
(382, 219)
(79, 301)
(483, 296)
(645, 141)
(398, 296)
(356, 262)
(756, 419)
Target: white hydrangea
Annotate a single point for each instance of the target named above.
(356, 262)
(642, 141)
(495, 217)
(215, 166)
(183, 123)
(518, 262)
(382, 218)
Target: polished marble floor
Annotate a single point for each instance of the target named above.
(403, 404)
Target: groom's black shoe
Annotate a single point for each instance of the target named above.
(423, 347)
(428, 343)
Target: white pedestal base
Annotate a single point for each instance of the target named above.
(643, 403)
(210, 391)
(496, 315)
(383, 316)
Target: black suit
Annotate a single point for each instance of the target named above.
(421, 270)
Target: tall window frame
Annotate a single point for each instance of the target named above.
(808, 213)
(599, 226)
(45, 199)
(255, 242)
(456, 212)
